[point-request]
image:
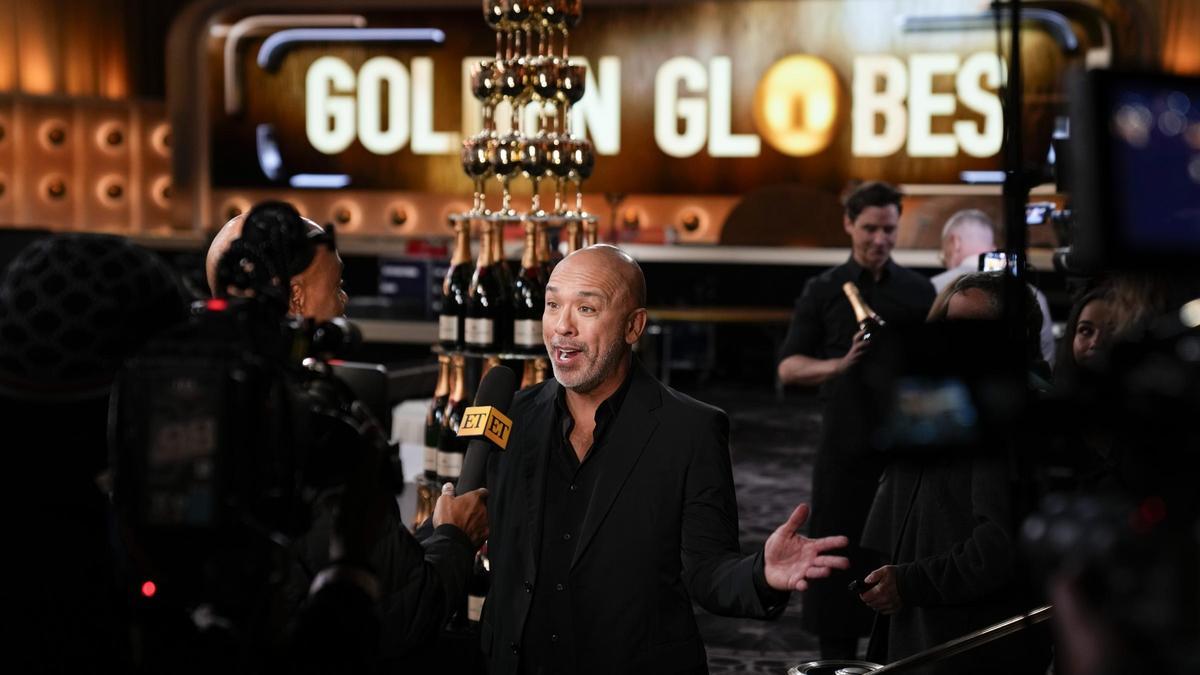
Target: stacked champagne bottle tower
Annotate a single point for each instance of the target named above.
(492, 312)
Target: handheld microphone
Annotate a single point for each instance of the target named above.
(486, 424)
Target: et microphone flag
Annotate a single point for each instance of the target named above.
(486, 421)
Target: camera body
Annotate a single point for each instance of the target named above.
(222, 437)
(231, 437)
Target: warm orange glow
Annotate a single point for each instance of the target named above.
(74, 47)
(114, 84)
(1182, 57)
(36, 73)
(36, 49)
(8, 52)
(1181, 51)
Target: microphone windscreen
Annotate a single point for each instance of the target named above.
(497, 388)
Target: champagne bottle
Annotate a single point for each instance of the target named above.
(868, 321)
(478, 585)
(489, 305)
(506, 279)
(534, 372)
(527, 375)
(427, 494)
(498, 252)
(546, 257)
(455, 290)
(488, 363)
(529, 298)
(574, 236)
(451, 448)
(436, 417)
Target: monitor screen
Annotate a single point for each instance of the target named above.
(1154, 143)
(1135, 143)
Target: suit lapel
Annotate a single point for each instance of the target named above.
(533, 469)
(628, 436)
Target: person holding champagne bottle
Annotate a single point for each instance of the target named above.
(824, 340)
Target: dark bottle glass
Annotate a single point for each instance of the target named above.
(478, 585)
(489, 305)
(436, 417)
(529, 297)
(451, 448)
(546, 255)
(868, 321)
(455, 290)
(498, 255)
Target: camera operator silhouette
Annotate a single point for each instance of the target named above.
(363, 592)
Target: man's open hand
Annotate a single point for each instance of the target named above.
(792, 559)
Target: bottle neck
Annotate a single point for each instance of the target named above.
(497, 242)
(443, 383)
(543, 244)
(574, 237)
(529, 259)
(862, 311)
(489, 363)
(486, 248)
(462, 244)
(460, 380)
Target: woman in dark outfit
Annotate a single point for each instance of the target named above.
(948, 524)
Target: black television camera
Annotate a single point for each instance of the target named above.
(1133, 171)
(226, 433)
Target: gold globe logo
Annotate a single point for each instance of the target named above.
(796, 105)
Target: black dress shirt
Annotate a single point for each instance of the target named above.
(548, 636)
(823, 324)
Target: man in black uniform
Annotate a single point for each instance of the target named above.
(822, 343)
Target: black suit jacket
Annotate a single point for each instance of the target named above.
(661, 530)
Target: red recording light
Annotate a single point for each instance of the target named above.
(1153, 510)
(149, 589)
(216, 305)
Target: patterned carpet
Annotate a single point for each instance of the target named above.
(773, 443)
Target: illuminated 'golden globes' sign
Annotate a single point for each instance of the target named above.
(676, 101)
(795, 108)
